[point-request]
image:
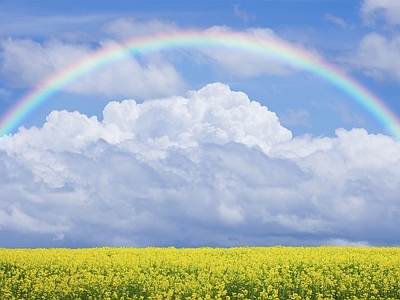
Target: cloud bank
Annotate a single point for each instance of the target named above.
(212, 168)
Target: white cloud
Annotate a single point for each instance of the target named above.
(235, 62)
(296, 117)
(151, 79)
(26, 63)
(378, 56)
(67, 26)
(231, 215)
(345, 112)
(241, 13)
(4, 95)
(20, 221)
(336, 20)
(341, 242)
(214, 114)
(389, 10)
(127, 28)
(212, 168)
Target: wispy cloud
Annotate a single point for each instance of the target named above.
(347, 116)
(241, 13)
(336, 20)
(125, 28)
(295, 117)
(80, 27)
(4, 94)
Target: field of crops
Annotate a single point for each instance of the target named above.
(202, 273)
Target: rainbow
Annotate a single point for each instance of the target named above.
(285, 52)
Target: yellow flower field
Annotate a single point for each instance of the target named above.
(201, 273)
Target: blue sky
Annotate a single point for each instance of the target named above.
(199, 147)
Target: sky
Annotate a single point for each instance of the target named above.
(199, 146)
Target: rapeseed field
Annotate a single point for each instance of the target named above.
(201, 273)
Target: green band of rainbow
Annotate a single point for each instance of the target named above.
(272, 48)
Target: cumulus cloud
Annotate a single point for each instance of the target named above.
(378, 56)
(211, 168)
(388, 10)
(26, 63)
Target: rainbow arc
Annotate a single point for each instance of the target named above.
(273, 48)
